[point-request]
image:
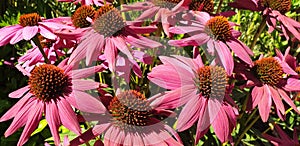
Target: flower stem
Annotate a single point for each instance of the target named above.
(247, 128)
(36, 41)
(219, 6)
(258, 32)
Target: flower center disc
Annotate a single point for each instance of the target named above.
(211, 81)
(31, 19)
(48, 82)
(169, 4)
(108, 21)
(282, 6)
(130, 110)
(202, 5)
(80, 15)
(219, 28)
(268, 71)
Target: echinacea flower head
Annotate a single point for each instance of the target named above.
(52, 91)
(87, 2)
(108, 34)
(29, 26)
(163, 11)
(273, 11)
(271, 81)
(218, 35)
(131, 120)
(282, 138)
(201, 89)
(202, 5)
(81, 14)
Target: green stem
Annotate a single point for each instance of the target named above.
(258, 32)
(246, 129)
(244, 105)
(219, 6)
(36, 41)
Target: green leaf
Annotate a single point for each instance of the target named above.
(43, 123)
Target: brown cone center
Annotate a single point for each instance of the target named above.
(80, 15)
(218, 28)
(31, 19)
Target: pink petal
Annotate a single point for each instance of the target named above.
(175, 98)
(93, 50)
(67, 116)
(189, 114)
(110, 53)
(19, 93)
(13, 111)
(194, 40)
(257, 93)
(221, 126)
(121, 45)
(86, 72)
(239, 50)
(47, 33)
(29, 32)
(193, 63)
(52, 117)
(20, 118)
(292, 85)
(225, 56)
(288, 100)
(264, 105)
(32, 121)
(7, 33)
(149, 13)
(277, 100)
(80, 52)
(183, 29)
(17, 37)
(84, 85)
(87, 103)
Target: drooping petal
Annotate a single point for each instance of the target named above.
(67, 116)
(29, 32)
(292, 85)
(19, 93)
(17, 37)
(288, 100)
(110, 53)
(47, 33)
(221, 126)
(225, 56)
(264, 105)
(240, 51)
(277, 100)
(87, 103)
(52, 117)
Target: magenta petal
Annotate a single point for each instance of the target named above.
(121, 45)
(18, 93)
(52, 117)
(67, 116)
(189, 114)
(277, 100)
(99, 129)
(221, 126)
(292, 85)
(17, 37)
(288, 100)
(110, 53)
(47, 33)
(7, 33)
(29, 32)
(13, 111)
(20, 118)
(84, 85)
(225, 56)
(183, 29)
(264, 105)
(32, 121)
(86, 72)
(239, 50)
(93, 50)
(257, 93)
(87, 103)
(149, 13)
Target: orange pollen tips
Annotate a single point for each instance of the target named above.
(219, 28)
(130, 110)
(48, 82)
(282, 6)
(211, 81)
(298, 71)
(169, 4)
(80, 15)
(268, 71)
(108, 21)
(202, 5)
(31, 19)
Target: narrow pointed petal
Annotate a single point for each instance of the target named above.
(83, 85)
(29, 32)
(221, 126)
(277, 100)
(18, 93)
(86, 72)
(264, 105)
(17, 37)
(47, 33)
(32, 121)
(240, 51)
(52, 117)
(288, 100)
(225, 57)
(87, 103)
(110, 53)
(67, 116)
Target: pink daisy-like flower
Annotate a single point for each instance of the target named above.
(131, 120)
(108, 34)
(274, 11)
(271, 81)
(283, 139)
(201, 89)
(52, 91)
(30, 25)
(164, 11)
(87, 2)
(218, 35)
